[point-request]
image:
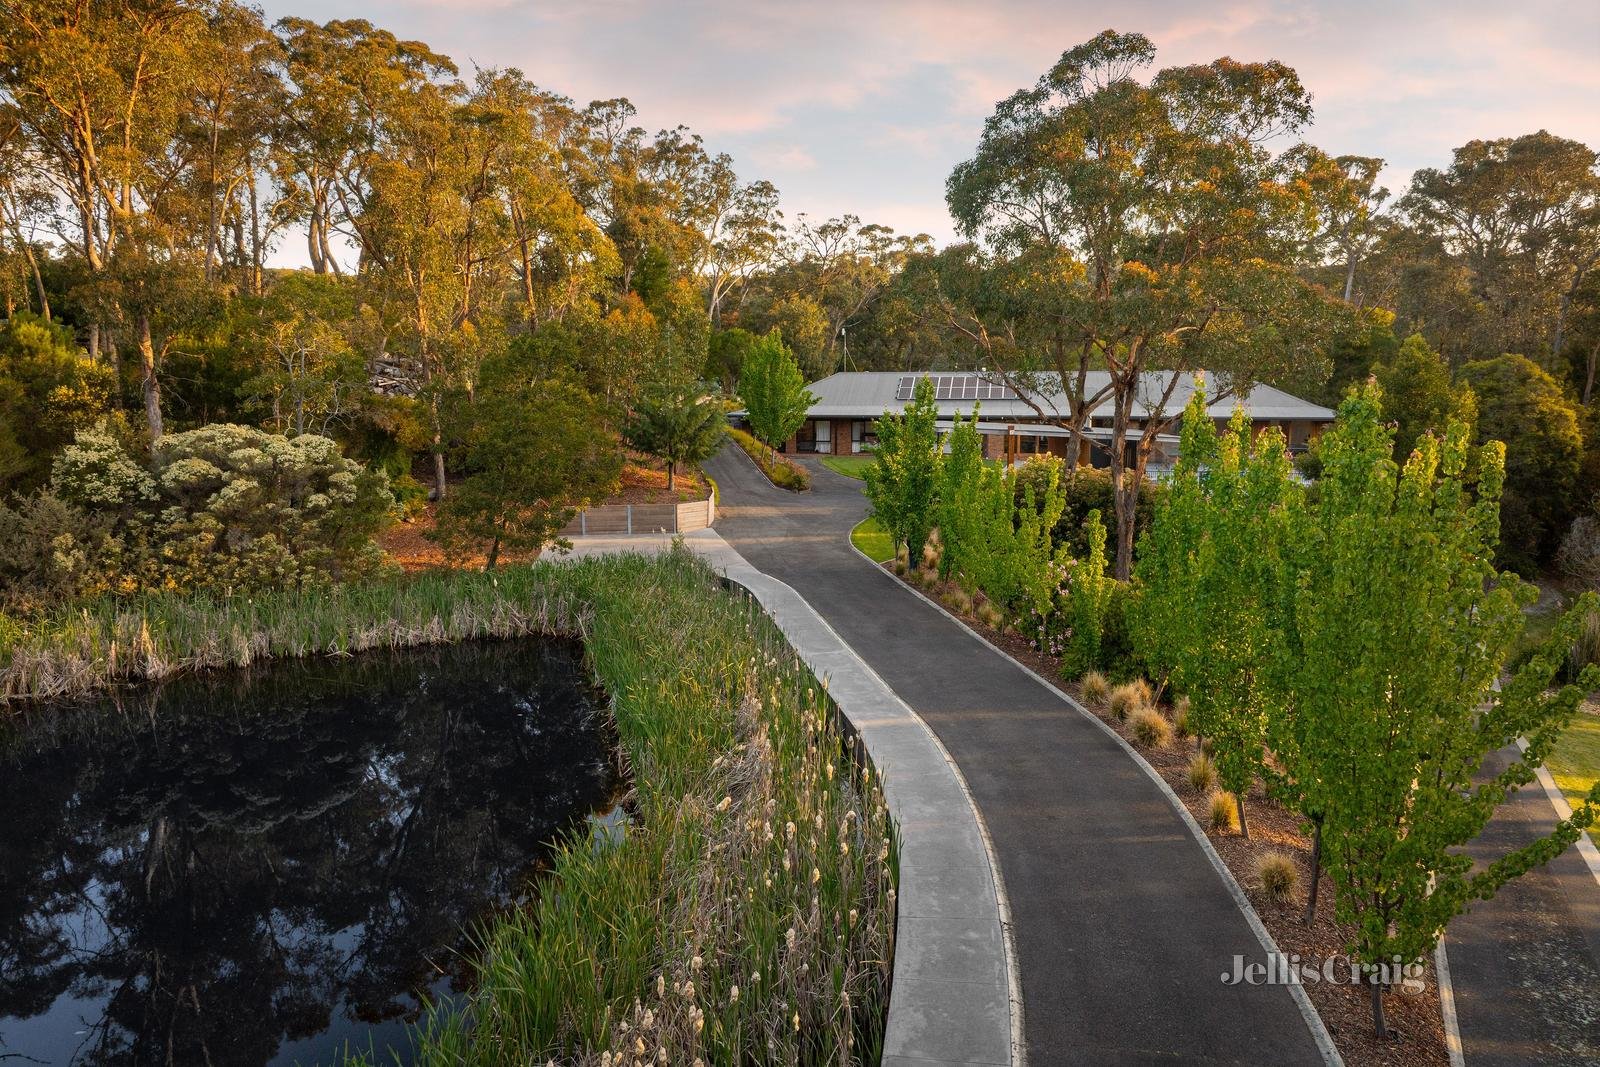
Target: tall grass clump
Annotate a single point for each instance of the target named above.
(1094, 688)
(1150, 728)
(1126, 699)
(1278, 875)
(746, 915)
(1224, 812)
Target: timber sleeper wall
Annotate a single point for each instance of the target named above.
(642, 518)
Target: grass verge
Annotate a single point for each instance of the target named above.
(780, 471)
(747, 912)
(1575, 761)
(850, 466)
(873, 540)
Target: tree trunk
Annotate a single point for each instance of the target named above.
(494, 554)
(1378, 1024)
(1125, 491)
(1316, 872)
(94, 342)
(1244, 827)
(672, 470)
(152, 385)
(1589, 373)
(1350, 278)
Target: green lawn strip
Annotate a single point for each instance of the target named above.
(873, 540)
(850, 466)
(752, 857)
(1575, 761)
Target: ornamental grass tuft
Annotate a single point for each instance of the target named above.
(1095, 688)
(1279, 876)
(1224, 812)
(1150, 728)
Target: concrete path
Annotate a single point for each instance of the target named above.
(955, 1000)
(1123, 927)
(1526, 965)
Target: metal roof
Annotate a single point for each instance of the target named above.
(868, 394)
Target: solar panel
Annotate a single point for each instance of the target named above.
(957, 387)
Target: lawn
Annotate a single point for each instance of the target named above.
(1575, 762)
(873, 540)
(849, 466)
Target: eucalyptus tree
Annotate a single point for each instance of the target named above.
(103, 95)
(1178, 230)
(1522, 214)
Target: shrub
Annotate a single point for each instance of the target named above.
(1579, 557)
(1202, 773)
(1224, 812)
(223, 508)
(990, 616)
(1150, 728)
(781, 471)
(1180, 716)
(1126, 699)
(1095, 688)
(1142, 691)
(1279, 876)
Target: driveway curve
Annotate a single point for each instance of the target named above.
(1123, 928)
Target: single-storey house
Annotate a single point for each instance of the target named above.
(842, 421)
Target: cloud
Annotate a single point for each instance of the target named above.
(864, 108)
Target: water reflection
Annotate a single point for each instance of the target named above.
(260, 867)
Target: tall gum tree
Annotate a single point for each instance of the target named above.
(1179, 229)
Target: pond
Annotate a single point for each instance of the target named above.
(269, 866)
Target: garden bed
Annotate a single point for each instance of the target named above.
(782, 472)
(744, 913)
(1345, 1009)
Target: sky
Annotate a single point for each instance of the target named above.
(865, 107)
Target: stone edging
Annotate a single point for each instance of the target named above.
(1319, 1032)
(954, 993)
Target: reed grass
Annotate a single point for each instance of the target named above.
(747, 912)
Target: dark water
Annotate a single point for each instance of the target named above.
(263, 867)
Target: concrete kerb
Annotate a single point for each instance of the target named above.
(1319, 1032)
(955, 994)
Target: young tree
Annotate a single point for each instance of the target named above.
(902, 485)
(959, 502)
(676, 425)
(774, 391)
(538, 450)
(1397, 628)
(1177, 228)
(1211, 574)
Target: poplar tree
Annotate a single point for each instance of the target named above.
(902, 484)
(1397, 628)
(774, 391)
(1213, 581)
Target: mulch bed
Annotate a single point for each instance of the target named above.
(1345, 1009)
